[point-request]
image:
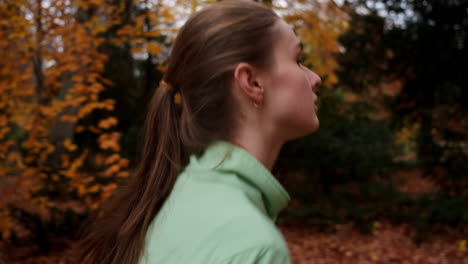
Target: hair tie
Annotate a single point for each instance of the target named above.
(167, 86)
(177, 97)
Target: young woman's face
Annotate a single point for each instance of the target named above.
(290, 97)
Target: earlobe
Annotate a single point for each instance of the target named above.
(260, 95)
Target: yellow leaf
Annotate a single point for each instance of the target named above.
(108, 189)
(154, 48)
(109, 141)
(81, 189)
(123, 163)
(113, 158)
(94, 188)
(94, 130)
(462, 246)
(107, 123)
(69, 145)
(123, 174)
(111, 170)
(71, 172)
(153, 33)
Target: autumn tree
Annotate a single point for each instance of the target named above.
(50, 80)
(137, 46)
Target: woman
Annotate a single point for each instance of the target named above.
(203, 191)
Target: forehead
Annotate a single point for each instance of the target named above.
(286, 38)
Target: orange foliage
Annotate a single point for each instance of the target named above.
(318, 25)
(50, 79)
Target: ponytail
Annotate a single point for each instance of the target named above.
(203, 58)
(119, 236)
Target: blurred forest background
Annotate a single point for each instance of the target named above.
(389, 162)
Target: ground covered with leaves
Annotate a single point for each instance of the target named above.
(344, 244)
(385, 244)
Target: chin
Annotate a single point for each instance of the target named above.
(316, 123)
(314, 127)
(305, 129)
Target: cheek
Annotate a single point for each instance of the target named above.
(293, 102)
(294, 97)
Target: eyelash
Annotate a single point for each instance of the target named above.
(301, 59)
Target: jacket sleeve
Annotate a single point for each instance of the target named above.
(260, 255)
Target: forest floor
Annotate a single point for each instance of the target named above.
(341, 244)
(387, 244)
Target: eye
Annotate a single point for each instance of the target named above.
(301, 59)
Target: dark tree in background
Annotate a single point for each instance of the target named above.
(423, 45)
(132, 77)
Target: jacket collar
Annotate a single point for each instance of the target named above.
(227, 157)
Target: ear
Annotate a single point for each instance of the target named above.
(248, 81)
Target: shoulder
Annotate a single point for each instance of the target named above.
(217, 192)
(229, 208)
(247, 240)
(214, 219)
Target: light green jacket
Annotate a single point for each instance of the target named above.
(222, 210)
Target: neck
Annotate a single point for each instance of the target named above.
(265, 149)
